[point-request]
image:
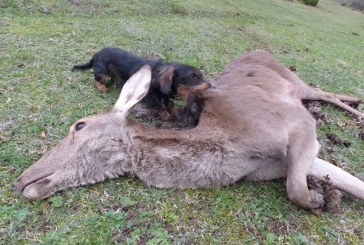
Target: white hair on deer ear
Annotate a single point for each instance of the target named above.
(133, 91)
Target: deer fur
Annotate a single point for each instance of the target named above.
(253, 126)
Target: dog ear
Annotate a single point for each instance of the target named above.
(166, 79)
(196, 91)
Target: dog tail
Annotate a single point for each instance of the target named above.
(339, 178)
(85, 66)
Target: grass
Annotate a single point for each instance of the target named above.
(41, 41)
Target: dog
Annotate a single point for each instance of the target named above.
(189, 116)
(120, 65)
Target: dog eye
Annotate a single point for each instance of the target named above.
(80, 125)
(192, 75)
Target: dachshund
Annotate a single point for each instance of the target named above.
(120, 65)
(189, 116)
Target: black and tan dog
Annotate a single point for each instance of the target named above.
(120, 65)
(189, 116)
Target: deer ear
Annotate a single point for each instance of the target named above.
(166, 80)
(133, 91)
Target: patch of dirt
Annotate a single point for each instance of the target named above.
(250, 229)
(44, 10)
(121, 235)
(344, 124)
(75, 2)
(115, 207)
(361, 135)
(154, 56)
(325, 150)
(5, 126)
(317, 112)
(3, 139)
(286, 51)
(334, 138)
(132, 213)
(332, 196)
(277, 227)
(292, 68)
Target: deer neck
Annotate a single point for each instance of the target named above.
(175, 159)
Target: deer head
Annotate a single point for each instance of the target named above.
(93, 149)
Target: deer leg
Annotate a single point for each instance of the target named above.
(347, 99)
(302, 150)
(339, 100)
(336, 101)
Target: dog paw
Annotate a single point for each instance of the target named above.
(101, 87)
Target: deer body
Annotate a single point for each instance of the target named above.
(253, 126)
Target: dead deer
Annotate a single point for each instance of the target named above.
(253, 126)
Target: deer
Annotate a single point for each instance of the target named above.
(253, 126)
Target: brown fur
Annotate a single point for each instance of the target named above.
(253, 126)
(189, 116)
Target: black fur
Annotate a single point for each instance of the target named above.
(120, 65)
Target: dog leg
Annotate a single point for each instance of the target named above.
(101, 87)
(101, 75)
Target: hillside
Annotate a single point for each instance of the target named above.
(40, 98)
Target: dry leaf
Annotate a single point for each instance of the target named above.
(43, 135)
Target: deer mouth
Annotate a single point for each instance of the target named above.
(34, 188)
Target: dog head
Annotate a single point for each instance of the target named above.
(172, 75)
(190, 93)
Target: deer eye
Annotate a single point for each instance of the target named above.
(80, 125)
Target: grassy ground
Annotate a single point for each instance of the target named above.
(41, 40)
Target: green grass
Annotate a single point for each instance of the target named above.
(40, 42)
